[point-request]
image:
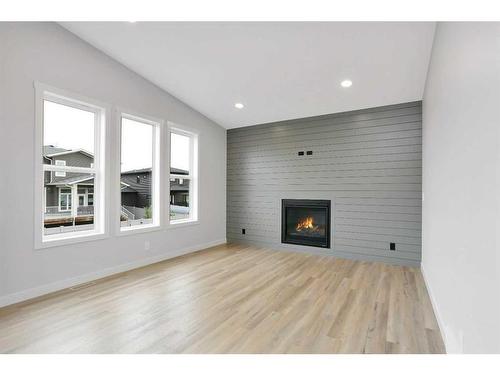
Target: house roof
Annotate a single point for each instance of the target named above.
(128, 189)
(71, 180)
(51, 151)
(178, 171)
(137, 171)
(148, 170)
(80, 179)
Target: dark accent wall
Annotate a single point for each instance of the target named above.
(369, 161)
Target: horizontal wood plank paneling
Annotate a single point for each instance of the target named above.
(370, 160)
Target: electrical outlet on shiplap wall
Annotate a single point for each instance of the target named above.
(370, 160)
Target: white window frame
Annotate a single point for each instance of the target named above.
(192, 176)
(45, 92)
(156, 175)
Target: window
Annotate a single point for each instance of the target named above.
(183, 176)
(70, 169)
(60, 163)
(139, 198)
(64, 199)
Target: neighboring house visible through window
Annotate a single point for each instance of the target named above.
(70, 173)
(139, 180)
(183, 176)
(71, 136)
(65, 191)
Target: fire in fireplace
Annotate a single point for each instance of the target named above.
(306, 222)
(307, 225)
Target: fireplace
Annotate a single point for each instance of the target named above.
(305, 222)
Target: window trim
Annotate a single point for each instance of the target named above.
(156, 175)
(106, 170)
(60, 96)
(192, 176)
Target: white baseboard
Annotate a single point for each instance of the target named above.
(68, 283)
(437, 312)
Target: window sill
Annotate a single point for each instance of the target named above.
(68, 240)
(124, 231)
(182, 223)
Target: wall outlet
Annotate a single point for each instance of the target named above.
(300, 153)
(392, 246)
(309, 152)
(147, 245)
(243, 231)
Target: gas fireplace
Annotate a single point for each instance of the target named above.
(305, 222)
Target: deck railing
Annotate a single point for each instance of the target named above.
(54, 211)
(127, 213)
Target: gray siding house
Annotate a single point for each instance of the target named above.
(60, 188)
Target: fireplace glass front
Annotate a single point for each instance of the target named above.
(306, 222)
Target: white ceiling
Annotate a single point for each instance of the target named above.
(277, 70)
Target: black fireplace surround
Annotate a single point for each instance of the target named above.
(305, 222)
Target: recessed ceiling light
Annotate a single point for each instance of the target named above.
(346, 83)
(238, 105)
(132, 21)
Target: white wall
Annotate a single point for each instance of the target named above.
(48, 53)
(461, 184)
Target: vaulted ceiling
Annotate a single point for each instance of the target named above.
(278, 71)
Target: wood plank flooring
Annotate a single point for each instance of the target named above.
(233, 299)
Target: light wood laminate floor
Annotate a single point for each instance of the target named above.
(233, 299)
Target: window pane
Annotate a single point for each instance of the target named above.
(180, 187)
(179, 154)
(60, 215)
(179, 199)
(68, 136)
(136, 173)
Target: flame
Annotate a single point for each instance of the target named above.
(306, 224)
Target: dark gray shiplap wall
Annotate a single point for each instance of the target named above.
(370, 161)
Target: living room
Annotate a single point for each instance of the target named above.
(250, 187)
